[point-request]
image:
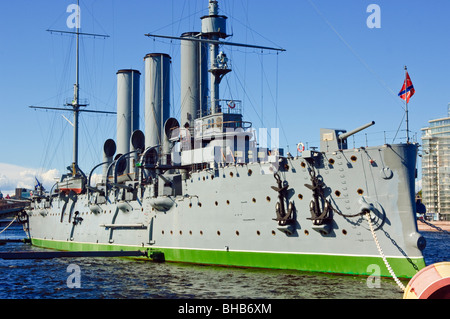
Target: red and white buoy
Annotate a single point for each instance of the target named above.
(432, 282)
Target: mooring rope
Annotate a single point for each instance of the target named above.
(9, 224)
(388, 266)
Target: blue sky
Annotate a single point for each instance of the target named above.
(337, 72)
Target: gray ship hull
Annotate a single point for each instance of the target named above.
(227, 216)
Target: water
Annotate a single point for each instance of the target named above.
(120, 278)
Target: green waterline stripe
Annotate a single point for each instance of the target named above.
(343, 264)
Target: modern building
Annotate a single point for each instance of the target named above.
(436, 168)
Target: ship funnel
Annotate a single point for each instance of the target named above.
(109, 148)
(157, 96)
(127, 108)
(194, 79)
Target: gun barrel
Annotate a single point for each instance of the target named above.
(345, 135)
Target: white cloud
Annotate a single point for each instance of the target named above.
(13, 176)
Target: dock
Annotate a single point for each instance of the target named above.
(444, 225)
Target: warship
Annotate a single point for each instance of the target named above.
(202, 189)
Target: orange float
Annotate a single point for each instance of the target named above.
(432, 282)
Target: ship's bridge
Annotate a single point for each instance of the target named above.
(222, 106)
(225, 118)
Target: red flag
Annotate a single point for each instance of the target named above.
(407, 89)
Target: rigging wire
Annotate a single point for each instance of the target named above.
(92, 16)
(176, 22)
(91, 81)
(361, 60)
(46, 159)
(398, 129)
(247, 28)
(353, 51)
(264, 77)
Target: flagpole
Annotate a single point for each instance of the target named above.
(406, 106)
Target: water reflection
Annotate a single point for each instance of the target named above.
(130, 279)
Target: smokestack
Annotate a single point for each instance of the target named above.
(194, 79)
(157, 97)
(127, 108)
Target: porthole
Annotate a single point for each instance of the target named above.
(337, 193)
(306, 232)
(250, 172)
(353, 158)
(303, 164)
(181, 233)
(344, 232)
(190, 232)
(331, 161)
(199, 204)
(162, 232)
(360, 191)
(218, 233)
(258, 232)
(201, 232)
(190, 205)
(228, 202)
(268, 198)
(216, 203)
(273, 232)
(254, 200)
(237, 232)
(300, 196)
(231, 174)
(171, 232)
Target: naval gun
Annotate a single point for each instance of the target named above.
(335, 139)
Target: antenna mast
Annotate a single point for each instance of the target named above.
(75, 104)
(214, 29)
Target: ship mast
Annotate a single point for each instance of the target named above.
(75, 104)
(214, 29)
